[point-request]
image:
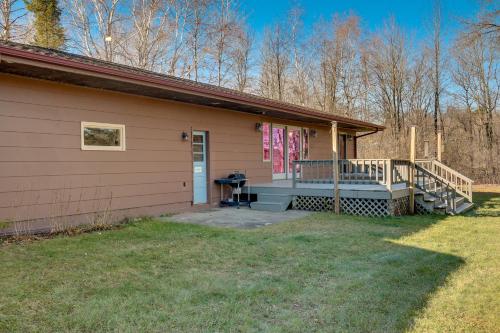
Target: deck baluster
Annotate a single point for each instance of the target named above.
(294, 174)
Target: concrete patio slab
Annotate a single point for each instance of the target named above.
(244, 217)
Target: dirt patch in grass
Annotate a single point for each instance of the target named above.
(68, 232)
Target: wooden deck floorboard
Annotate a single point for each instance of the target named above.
(373, 191)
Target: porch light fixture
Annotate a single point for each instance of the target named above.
(313, 133)
(185, 136)
(258, 127)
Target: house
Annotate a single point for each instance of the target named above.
(80, 136)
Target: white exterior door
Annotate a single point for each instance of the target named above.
(199, 167)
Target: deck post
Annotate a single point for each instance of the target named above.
(412, 168)
(426, 149)
(439, 145)
(335, 161)
(390, 174)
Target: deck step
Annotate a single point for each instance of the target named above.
(463, 208)
(435, 204)
(272, 202)
(269, 206)
(459, 201)
(273, 197)
(425, 196)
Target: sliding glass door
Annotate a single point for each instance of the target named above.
(288, 146)
(294, 148)
(279, 152)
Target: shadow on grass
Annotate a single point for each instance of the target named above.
(320, 273)
(487, 204)
(397, 278)
(377, 282)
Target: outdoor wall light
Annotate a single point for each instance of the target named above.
(313, 132)
(185, 136)
(258, 127)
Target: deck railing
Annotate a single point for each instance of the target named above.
(430, 176)
(362, 171)
(461, 183)
(439, 187)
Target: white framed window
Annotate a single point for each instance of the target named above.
(266, 142)
(101, 136)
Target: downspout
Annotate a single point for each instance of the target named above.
(360, 136)
(366, 134)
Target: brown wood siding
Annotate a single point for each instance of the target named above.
(321, 145)
(44, 173)
(351, 147)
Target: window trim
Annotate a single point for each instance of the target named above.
(270, 142)
(119, 127)
(302, 141)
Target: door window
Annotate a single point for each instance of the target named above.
(199, 168)
(278, 150)
(293, 147)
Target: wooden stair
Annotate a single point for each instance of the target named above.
(441, 189)
(272, 202)
(433, 204)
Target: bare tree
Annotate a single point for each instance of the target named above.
(145, 45)
(275, 63)
(436, 60)
(240, 56)
(95, 27)
(350, 80)
(464, 82)
(176, 58)
(197, 23)
(222, 31)
(299, 85)
(366, 86)
(420, 92)
(389, 65)
(488, 21)
(484, 61)
(338, 86)
(329, 55)
(13, 16)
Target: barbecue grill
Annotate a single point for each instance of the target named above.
(236, 181)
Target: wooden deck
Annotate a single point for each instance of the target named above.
(371, 187)
(369, 191)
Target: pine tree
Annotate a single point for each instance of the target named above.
(48, 29)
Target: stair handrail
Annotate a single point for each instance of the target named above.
(461, 183)
(443, 181)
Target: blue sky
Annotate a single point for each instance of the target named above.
(412, 15)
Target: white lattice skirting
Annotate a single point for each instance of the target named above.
(355, 206)
(422, 209)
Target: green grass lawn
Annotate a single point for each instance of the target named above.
(321, 273)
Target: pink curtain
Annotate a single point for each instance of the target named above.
(278, 150)
(293, 147)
